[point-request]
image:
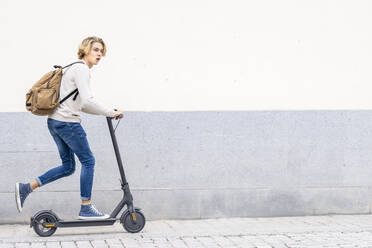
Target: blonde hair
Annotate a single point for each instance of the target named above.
(87, 44)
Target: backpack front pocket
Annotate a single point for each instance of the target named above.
(46, 99)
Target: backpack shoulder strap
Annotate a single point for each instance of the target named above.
(69, 95)
(74, 91)
(77, 62)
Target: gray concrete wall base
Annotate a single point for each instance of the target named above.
(196, 203)
(202, 164)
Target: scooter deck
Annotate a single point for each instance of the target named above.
(75, 223)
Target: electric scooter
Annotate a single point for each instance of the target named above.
(46, 222)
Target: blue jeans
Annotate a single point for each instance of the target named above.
(71, 139)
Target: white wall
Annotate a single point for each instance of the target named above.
(197, 55)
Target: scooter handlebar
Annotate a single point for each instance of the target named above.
(120, 116)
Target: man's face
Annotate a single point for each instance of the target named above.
(95, 54)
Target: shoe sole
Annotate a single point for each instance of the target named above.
(18, 198)
(94, 218)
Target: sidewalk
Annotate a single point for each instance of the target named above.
(310, 231)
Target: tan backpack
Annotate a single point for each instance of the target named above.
(42, 98)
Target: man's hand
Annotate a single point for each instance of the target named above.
(118, 113)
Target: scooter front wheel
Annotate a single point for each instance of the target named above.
(133, 226)
(45, 224)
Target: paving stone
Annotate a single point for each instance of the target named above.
(342, 231)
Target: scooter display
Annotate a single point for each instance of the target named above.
(46, 222)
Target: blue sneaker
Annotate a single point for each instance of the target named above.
(21, 193)
(88, 212)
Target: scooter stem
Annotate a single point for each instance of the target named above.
(117, 153)
(128, 199)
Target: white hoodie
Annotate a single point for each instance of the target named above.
(78, 76)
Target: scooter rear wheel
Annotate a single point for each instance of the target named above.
(42, 220)
(129, 225)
